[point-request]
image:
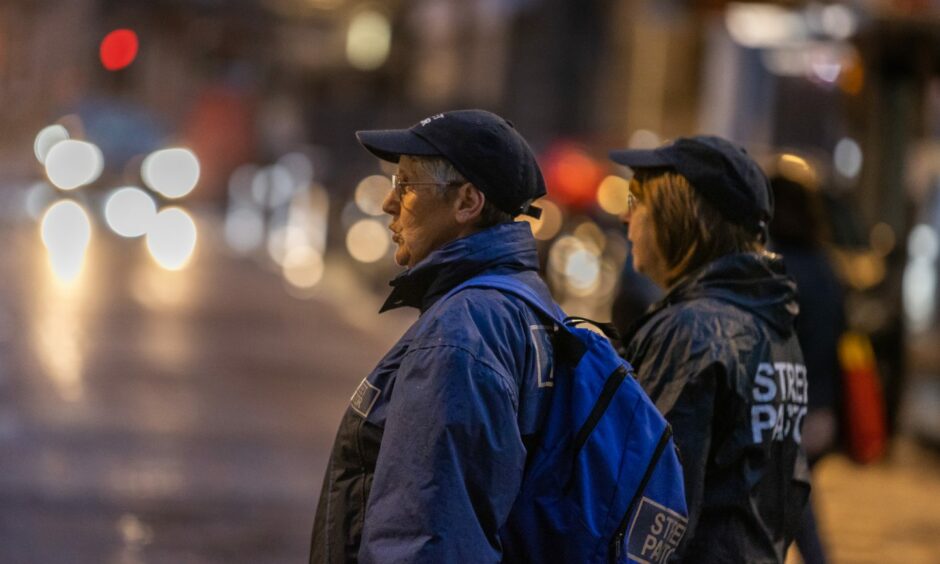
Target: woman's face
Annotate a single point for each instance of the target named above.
(647, 258)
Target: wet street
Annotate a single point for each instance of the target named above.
(169, 417)
(149, 416)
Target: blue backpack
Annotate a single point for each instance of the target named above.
(604, 483)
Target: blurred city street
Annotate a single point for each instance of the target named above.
(155, 416)
(149, 416)
(196, 248)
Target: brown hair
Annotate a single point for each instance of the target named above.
(689, 231)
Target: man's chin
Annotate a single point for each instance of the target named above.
(401, 257)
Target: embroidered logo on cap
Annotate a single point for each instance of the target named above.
(428, 120)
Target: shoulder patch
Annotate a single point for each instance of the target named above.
(364, 398)
(655, 533)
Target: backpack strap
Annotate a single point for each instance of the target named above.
(515, 287)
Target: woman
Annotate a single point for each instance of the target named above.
(718, 354)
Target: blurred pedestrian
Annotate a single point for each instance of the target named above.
(429, 456)
(797, 232)
(718, 354)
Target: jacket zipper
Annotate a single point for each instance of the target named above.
(616, 551)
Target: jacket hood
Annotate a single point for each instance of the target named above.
(504, 248)
(754, 282)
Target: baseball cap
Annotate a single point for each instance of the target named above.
(719, 170)
(485, 148)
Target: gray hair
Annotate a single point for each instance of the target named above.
(441, 170)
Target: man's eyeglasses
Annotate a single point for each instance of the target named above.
(400, 185)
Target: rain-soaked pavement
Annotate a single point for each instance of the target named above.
(168, 417)
(155, 417)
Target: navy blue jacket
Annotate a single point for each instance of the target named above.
(430, 454)
(719, 357)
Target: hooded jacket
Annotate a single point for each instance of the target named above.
(719, 357)
(430, 453)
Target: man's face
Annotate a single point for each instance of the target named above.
(422, 220)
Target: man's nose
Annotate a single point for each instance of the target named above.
(391, 205)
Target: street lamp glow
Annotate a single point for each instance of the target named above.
(71, 163)
(47, 139)
(66, 231)
(171, 239)
(130, 212)
(171, 172)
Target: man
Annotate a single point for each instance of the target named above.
(429, 456)
(718, 354)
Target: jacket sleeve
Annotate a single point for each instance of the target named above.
(450, 464)
(681, 374)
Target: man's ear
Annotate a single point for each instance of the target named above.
(468, 205)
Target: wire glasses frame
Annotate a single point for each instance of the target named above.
(400, 186)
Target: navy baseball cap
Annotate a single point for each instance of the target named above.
(719, 170)
(485, 148)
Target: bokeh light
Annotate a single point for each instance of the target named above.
(244, 229)
(171, 239)
(130, 212)
(273, 186)
(46, 139)
(371, 192)
(368, 40)
(367, 240)
(171, 172)
(577, 264)
(797, 169)
(66, 231)
(839, 21)
(612, 194)
(299, 166)
(284, 238)
(303, 267)
(847, 157)
(118, 49)
(923, 242)
(572, 175)
(919, 288)
(763, 25)
(71, 164)
(591, 235)
(583, 270)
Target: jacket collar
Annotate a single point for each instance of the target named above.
(507, 247)
(752, 281)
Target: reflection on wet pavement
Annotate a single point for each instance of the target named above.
(157, 416)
